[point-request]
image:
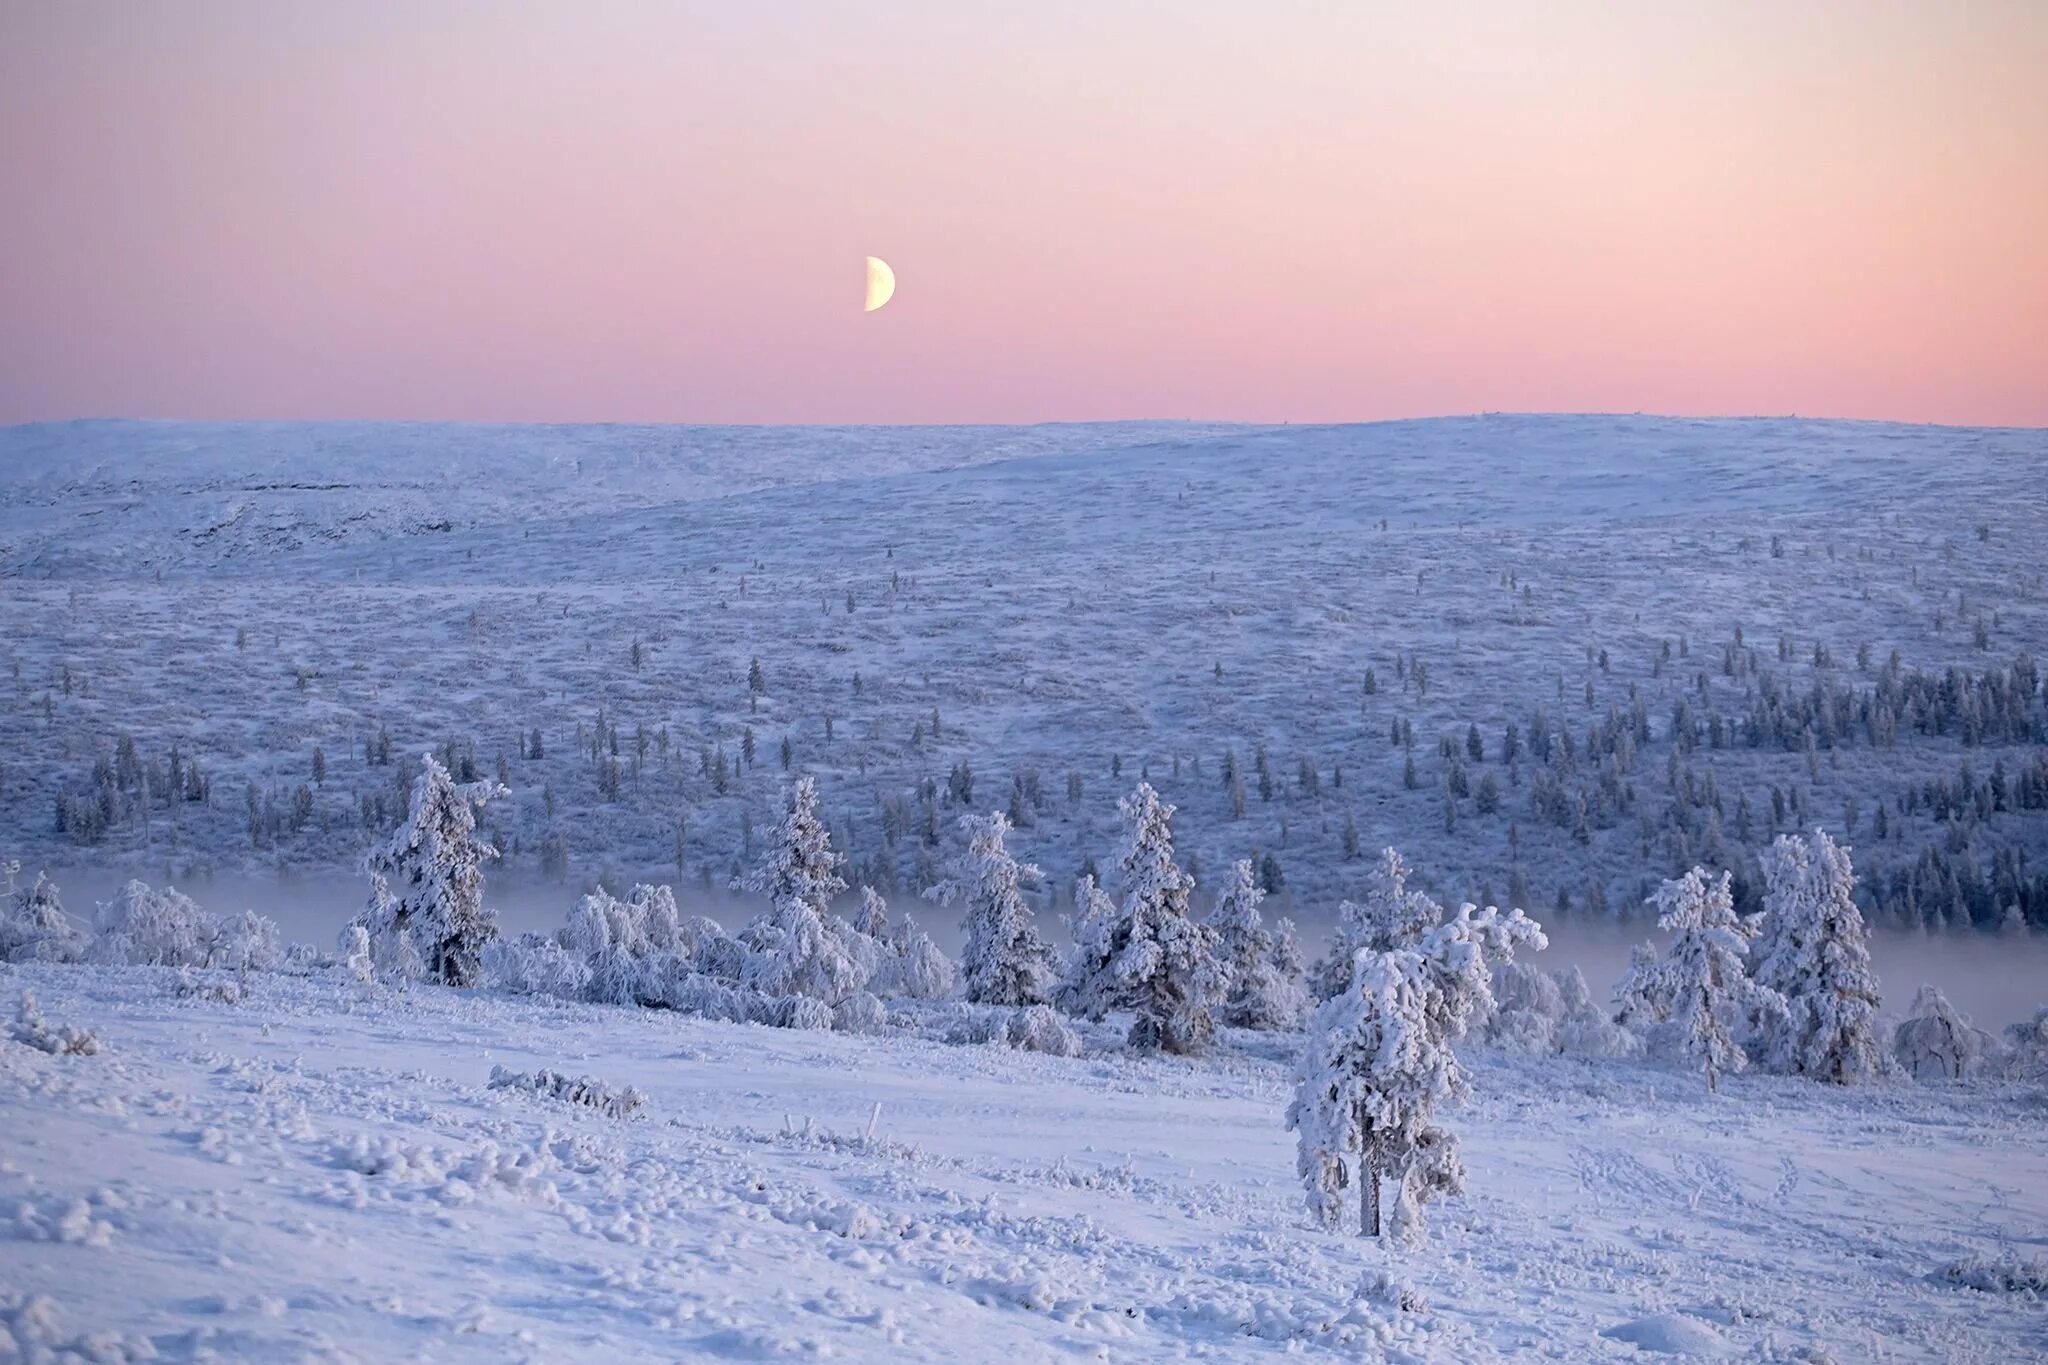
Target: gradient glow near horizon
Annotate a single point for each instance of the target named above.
(1282, 210)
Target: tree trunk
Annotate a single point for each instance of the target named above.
(1368, 1181)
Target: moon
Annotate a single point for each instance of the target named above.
(881, 283)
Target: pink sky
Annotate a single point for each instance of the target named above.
(652, 210)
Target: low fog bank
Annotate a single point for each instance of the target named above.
(1996, 979)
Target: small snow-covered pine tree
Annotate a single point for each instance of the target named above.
(1380, 1061)
(1155, 961)
(1815, 953)
(800, 947)
(431, 878)
(1389, 916)
(1703, 969)
(1258, 991)
(1005, 961)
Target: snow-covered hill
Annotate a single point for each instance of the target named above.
(320, 1172)
(1057, 610)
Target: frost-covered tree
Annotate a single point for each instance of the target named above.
(1389, 916)
(1154, 959)
(1368, 1086)
(1380, 1061)
(1259, 992)
(1705, 979)
(142, 926)
(33, 925)
(799, 946)
(427, 894)
(1935, 1041)
(1815, 953)
(1005, 961)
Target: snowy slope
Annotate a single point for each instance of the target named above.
(320, 1173)
(1078, 606)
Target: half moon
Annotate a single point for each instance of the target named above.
(881, 283)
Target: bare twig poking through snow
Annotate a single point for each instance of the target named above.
(585, 1090)
(32, 1030)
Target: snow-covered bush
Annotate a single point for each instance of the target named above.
(1815, 954)
(801, 1012)
(1389, 916)
(1155, 960)
(616, 1102)
(142, 926)
(1260, 992)
(1545, 1012)
(30, 1029)
(1935, 1042)
(1028, 1028)
(2027, 1058)
(427, 884)
(33, 925)
(860, 1012)
(907, 962)
(1038, 1028)
(1004, 961)
(529, 964)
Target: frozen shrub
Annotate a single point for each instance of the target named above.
(530, 964)
(803, 1012)
(32, 1030)
(2028, 1059)
(33, 925)
(1037, 1028)
(922, 970)
(1935, 1042)
(859, 1013)
(611, 1101)
(142, 926)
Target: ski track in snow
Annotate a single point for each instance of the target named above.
(320, 1172)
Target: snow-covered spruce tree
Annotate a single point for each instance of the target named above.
(1936, 1042)
(1703, 970)
(1005, 962)
(1095, 915)
(1156, 961)
(1815, 953)
(798, 946)
(427, 894)
(1258, 992)
(33, 925)
(1380, 1061)
(1389, 916)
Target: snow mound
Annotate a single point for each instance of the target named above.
(1670, 1334)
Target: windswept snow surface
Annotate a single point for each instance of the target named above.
(321, 1171)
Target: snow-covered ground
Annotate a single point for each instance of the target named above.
(320, 1171)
